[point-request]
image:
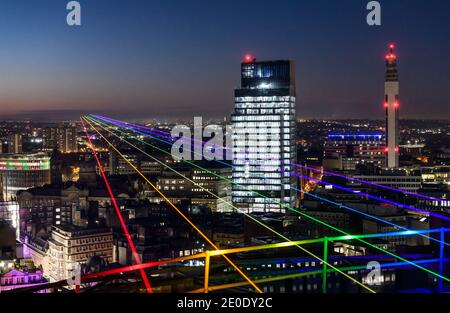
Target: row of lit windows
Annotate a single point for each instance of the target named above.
(265, 99)
(252, 199)
(30, 278)
(89, 240)
(243, 193)
(394, 180)
(253, 122)
(266, 111)
(441, 203)
(84, 256)
(265, 162)
(249, 128)
(204, 177)
(89, 248)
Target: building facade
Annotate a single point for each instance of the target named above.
(119, 166)
(70, 245)
(346, 151)
(15, 279)
(15, 143)
(263, 136)
(410, 183)
(23, 171)
(62, 138)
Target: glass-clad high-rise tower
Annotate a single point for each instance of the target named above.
(264, 136)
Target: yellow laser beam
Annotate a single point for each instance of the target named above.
(178, 210)
(246, 214)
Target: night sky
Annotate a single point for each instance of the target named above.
(144, 58)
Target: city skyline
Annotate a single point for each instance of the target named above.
(168, 74)
(204, 149)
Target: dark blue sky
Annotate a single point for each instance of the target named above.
(182, 57)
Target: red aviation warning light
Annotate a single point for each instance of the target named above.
(391, 55)
(248, 58)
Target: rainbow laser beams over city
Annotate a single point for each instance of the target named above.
(334, 228)
(181, 213)
(303, 191)
(247, 215)
(210, 253)
(119, 214)
(152, 131)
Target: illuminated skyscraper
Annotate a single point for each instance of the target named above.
(391, 104)
(263, 136)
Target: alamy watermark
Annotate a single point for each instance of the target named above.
(216, 142)
(374, 278)
(374, 15)
(74, 15)
(188, 146)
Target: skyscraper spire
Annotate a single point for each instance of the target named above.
(391, 87)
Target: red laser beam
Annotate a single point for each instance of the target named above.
(176, 209)
(141, 266)
(119, 214)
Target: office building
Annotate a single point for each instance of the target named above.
(119, 166)
(398, 180)
(263, 136)
(15, 143)
(69, 245)
(62, 138)
(23, 171)
(346, 151)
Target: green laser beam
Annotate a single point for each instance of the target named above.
(262, 224)
(303, 214)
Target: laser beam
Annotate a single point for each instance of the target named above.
(247, 215)
(119, 214)
(330, 226)
(344, 207)
(178, 210)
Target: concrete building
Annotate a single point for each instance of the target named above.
(410, 183)
(119, 166)
(345, 152)
(63, 138)
(69, 245)
(436, 175)
(15, 144)
(15, 278)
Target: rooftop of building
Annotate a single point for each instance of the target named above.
(24, 156)
(118, 186)
(76, 231)
(356, 135)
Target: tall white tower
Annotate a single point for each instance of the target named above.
(391, 105)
